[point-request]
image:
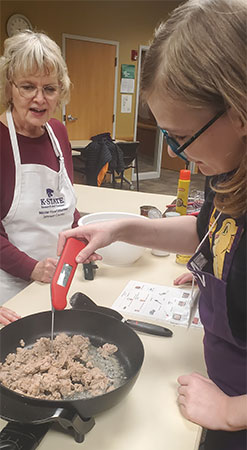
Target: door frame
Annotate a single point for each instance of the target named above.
(101, 41)
(159, 135)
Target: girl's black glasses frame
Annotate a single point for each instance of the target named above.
(177, 148)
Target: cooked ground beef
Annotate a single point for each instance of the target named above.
(59, 371)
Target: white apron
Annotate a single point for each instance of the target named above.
(43, 205)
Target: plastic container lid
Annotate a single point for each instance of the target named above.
(184, 174)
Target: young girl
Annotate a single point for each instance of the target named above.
(194, 81)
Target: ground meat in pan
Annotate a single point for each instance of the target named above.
(74, 367)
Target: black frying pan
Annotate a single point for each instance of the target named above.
(100, 328)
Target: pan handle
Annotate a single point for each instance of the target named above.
(149, 328)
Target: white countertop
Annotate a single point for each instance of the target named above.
(80, 143)
(148, 418)
(96, 199)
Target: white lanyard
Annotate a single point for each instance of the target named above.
(194, 296)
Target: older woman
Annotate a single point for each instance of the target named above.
(37, 196)
(194, 81)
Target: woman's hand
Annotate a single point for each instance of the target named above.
(202, 402)
(44, 270)
(7, 315)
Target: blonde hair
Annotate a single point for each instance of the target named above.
(199, 56)
(30, 52)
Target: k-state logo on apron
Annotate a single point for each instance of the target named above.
(50, 200)
(49, 192)
(52, 204)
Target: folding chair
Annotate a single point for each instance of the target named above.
(130, 158)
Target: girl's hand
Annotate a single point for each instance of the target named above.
(202, 402)
(7, 315)
(183, 279)
(96, 236)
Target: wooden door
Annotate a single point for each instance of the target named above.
(91, 67)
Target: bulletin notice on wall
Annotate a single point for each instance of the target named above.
(156, 302)
(126, 103)
(127, 85)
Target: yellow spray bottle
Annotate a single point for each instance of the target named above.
(183, 191)
(182, 203)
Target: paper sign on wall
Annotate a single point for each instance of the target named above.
(126, 103)
(127, 78)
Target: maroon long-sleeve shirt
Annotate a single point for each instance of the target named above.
(32, 151)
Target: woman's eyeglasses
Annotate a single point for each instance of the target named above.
(30, 91)
(179, 149)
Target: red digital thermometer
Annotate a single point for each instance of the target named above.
(65, 272)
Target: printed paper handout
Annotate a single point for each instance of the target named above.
(146, 300)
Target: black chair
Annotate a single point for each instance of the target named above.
(130, 158)
(79, 166)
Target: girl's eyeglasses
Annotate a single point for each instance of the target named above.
(179, 149)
